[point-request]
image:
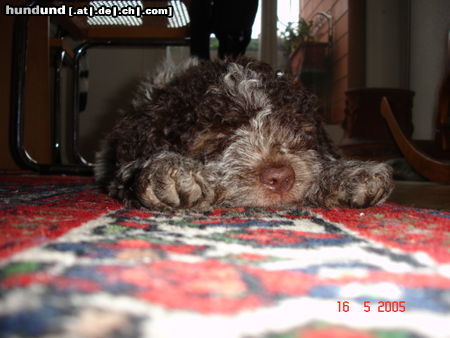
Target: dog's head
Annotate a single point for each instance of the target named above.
(254, 136)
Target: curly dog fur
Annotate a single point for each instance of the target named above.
(230, 133)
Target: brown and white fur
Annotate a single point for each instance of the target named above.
(230, 133)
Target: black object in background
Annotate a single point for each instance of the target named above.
(230, 20)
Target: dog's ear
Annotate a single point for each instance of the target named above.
(245, 86)
(237, 97)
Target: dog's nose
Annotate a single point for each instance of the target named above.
(280, 179)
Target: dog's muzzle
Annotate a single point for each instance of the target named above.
(277, 179)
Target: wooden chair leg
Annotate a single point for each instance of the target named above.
(432, 169)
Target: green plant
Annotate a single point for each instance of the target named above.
(295, 33)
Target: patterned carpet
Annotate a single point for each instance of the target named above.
(75, 263)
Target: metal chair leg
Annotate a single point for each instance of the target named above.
(56, 109)
(79, 52)
(18, 78)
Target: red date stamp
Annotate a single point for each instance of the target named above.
(381, 306)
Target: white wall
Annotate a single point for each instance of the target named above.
(406, 48)
(387, 53)
(430, 23)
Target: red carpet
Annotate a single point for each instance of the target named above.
(75, 263)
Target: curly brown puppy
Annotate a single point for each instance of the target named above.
(225, 134)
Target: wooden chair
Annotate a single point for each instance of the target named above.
(428, 167)
(434, 170)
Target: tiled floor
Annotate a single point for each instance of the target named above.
(422, 195)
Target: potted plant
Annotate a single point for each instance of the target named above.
(305, 53)
(295, 34)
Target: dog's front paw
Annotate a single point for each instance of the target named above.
(365, 186)
(171, 181)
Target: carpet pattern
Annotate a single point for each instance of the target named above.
(75, 263)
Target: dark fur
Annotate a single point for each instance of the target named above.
(199, 137)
